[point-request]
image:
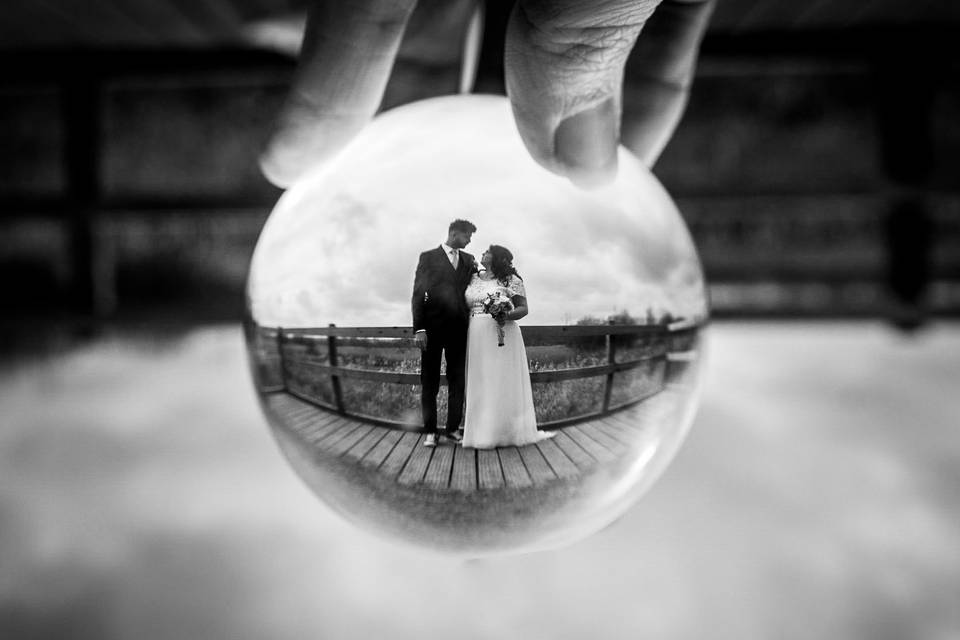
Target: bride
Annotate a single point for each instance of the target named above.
(499, 397)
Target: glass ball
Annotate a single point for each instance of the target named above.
(612, 341)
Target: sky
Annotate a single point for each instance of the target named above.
(142, 496)
(342, 246)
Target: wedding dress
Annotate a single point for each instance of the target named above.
(499, 398)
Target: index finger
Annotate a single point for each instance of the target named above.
(345, 60)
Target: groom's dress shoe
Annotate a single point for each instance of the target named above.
(453, 436)
(430, 440)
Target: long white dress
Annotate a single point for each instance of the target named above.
(499, 398)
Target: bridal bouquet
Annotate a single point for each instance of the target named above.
(497, 304)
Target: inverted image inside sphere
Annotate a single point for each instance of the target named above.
(610, 349)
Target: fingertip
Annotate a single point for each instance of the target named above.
(285, 154)
(586, 143)
(582, 147)
(303, 140)
(275, 170)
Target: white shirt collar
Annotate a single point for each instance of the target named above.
(447, 248)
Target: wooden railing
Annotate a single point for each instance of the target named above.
(660, 341)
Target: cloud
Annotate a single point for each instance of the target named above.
(142, 496)
(342, 247)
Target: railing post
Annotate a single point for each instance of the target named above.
(283, 365)
(611, 359)
(334, 378)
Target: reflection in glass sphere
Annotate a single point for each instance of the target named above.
(613, 337)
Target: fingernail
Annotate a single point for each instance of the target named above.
(586, 144)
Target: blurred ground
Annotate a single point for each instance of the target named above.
(141, 496)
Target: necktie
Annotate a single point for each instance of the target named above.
(454, 258)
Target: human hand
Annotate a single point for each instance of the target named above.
(564, 65)
(420, 338)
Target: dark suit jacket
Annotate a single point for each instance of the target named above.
(438, 290)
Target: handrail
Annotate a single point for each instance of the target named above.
(337, 372)
(538, 331)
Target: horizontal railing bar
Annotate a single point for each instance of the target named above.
(550, 331)
(552, 425)
(273, 388)
(553, 375)
(385, 422)
(533, 331)
(356, 332)
(372, 375)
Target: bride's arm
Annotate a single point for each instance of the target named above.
(519, 308)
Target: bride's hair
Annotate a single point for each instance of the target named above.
(501, 264)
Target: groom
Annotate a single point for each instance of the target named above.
(440, 320)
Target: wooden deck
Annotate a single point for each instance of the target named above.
(397, 454)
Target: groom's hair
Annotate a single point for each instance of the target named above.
(464, 226)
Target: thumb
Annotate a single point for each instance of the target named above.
(564, 63)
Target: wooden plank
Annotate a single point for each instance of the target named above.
(488, 469)
(598, 432)
(311, 420)
(343, 445)
(627, 420)
(376, 455)
(397, 458)
(591, 446)
(366, 443)
(562, 466)
(336, 428)
(300, 419)
(317, 426)
(540, 472)
(514, 472)
(464, 476)
(438, 471)
(293, 403)
(416, 464)
(294, 408)
(287, 407)
(313, 400)
(297, 414)
(573, 451)
(280, 401)
(614, 430)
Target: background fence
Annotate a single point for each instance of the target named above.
(579, 373)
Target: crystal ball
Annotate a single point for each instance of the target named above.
(613, 339)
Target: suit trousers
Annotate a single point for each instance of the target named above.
(451, 343)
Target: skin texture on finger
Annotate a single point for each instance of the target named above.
(659, 75)
(564, 63)
(565, 66)
(346, 59)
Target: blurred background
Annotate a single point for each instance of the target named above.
(141, 495)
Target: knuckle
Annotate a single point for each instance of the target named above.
(582, 36)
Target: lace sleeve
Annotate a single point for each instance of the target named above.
(516, 288)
